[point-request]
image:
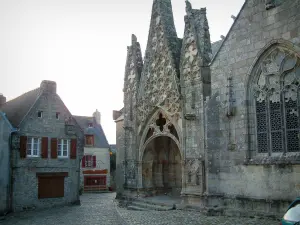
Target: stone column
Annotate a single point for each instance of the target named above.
(159, 175)
(139, 174)
(178, 173)
(172, 174)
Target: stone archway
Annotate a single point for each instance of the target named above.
(161, 167)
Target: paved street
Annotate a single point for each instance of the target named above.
(100, 209)
(94, 209)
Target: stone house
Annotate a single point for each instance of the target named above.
(95, 164)
(6, 130)
(45, 151)
(215, 123)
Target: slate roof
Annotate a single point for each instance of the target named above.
(96, 130)
(16, 109)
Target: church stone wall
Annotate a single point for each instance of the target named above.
(222, 167)
(230, 144)
(120, 157)
(5, 131)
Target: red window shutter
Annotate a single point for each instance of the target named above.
(53, 148)
(73, 149)
(83, 162)
(23, 146)
(94, 161)
(44, 147)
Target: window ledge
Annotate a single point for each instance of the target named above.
(32, 157)
(287, 158)
(65, 157)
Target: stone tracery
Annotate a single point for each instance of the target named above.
(159, 87)
(276, 92)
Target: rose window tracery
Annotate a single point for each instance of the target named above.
(276, 92)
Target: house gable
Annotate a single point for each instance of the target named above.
(48, 116)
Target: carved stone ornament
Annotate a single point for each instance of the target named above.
(278, 72)
(270, 4)
(159, 84)
(161, 125)
(193, 165)
(190, 116)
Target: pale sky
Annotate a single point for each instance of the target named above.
(82, 45)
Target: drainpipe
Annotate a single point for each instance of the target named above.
(9, 199)
(10, 172)
(79, 161)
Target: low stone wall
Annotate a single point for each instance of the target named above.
(238, 206)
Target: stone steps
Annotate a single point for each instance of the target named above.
(95, 191)
(142, 205)
(132, 207)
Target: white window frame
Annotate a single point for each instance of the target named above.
(31, 142)
(89, 163)
(60, 144)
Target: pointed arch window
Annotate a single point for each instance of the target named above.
(276, 100)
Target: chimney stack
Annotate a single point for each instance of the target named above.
(97, 116)
(2, 99)
(48, 86)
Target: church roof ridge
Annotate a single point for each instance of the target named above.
(234, 22)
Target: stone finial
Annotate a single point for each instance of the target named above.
(97, 116)
(48, 86)
(2, 99)
(233, 17)
(133, 39)
(203, 10)
(188, 7)
(222, 37)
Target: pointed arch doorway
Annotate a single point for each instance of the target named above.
(162, 166)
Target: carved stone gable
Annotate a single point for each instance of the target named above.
(159, 83)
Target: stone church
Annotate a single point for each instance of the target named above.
(214, 123)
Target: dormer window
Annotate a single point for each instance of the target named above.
(40, 114)
(89, 140)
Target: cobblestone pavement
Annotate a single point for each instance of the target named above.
(101, 209)
(179, 217)
(94, 209)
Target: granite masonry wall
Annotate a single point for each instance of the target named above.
(25, 185)
(5, 131)
(212, 98)
(235, 168)
(120, 158)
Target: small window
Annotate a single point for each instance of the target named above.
(57, 115)
(63, 147)
(89, 140)
(90, 124)
(40, 114)
(33, 146)
(88, 161)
